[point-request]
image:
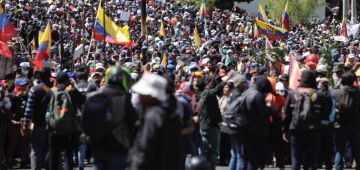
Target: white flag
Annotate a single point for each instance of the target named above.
(353, 29)
(79, 50)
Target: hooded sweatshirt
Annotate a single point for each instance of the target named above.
(255, 100)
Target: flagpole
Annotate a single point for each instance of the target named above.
(88, 54)
(104, 45)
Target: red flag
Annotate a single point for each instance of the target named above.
(4, 50)
(294, 72)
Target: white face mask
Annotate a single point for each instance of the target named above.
(280, 89)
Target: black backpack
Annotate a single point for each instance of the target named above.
(347, 109)
(304, 113)
(235, 117)
(61, 115)
(101, 125)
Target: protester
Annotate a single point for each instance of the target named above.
(15, 132)
(5, 111)
(194, 49)
(346, 119)
(36, 108)
(111, 135)
(158, 142)
(302, 123)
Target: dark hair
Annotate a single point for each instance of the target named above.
(230, 84)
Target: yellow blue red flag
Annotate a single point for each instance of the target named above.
(106, 30)
(43, 51)
(7, 29)
(270, 31)
(285, 19)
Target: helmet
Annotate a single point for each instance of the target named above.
(199, 163)
(118, 76)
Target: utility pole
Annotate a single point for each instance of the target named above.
(143, 17)
(353, 11)
(61, 46)
(143, 31)
(345, 8)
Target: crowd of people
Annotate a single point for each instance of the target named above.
(163, 103)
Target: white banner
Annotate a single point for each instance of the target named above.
(125, 15)
(353, 29)
(79, 50)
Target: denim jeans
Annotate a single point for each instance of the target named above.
(211, 142)
(108, 160)
(237, 160)
(342, 136)
(39, 147)
(304, 143)
(81, 155)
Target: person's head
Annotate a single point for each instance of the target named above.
(44, 76)
(308, 79)
(21, 85)
(239, 82)
(323, 83)
(348, 79)
(227, 88)
(338, 69)
(263, 85)
(118, 76)
(62, 80)
(151, 88)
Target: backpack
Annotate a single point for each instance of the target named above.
(235, 117)
(101, 125)
(347, 111)
(304, 114)
(61, 115)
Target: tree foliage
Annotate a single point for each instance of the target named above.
(299, 10)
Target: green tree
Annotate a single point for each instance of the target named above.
(299, 10)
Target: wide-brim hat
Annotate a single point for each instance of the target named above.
(152, 85)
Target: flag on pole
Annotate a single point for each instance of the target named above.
(272, 32)
(203, 11)
(294, 72)
(353, 29)
(164, 60)
(262, 14)
(343, 30)
(109, 31)
(285, 19)
(268, 44)
(197, 39)
(7, 29)
(43, 50)
(162, 29)
(256, 31)
(33, 41)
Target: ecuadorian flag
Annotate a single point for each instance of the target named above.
(272, 32)
(7, 29)
(43, 50)
(285, 19)
(203, 11)
(262, 14)
(110, 32)
(343, 30)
